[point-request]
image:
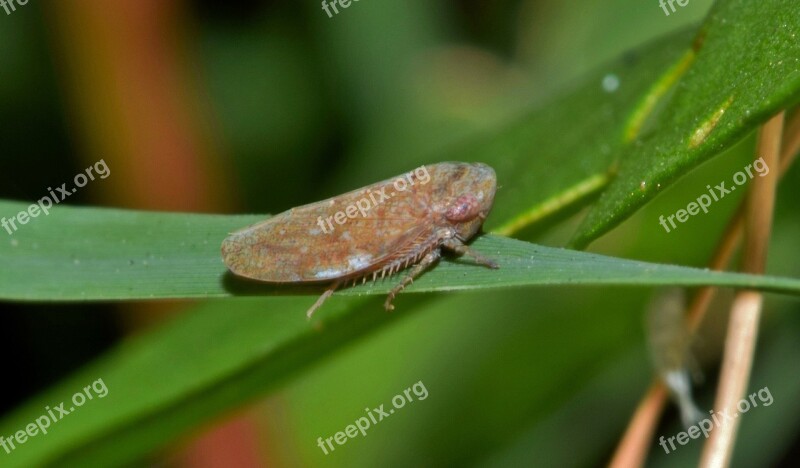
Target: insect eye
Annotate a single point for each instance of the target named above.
(464, 208)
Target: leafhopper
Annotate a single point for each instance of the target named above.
(368, 233)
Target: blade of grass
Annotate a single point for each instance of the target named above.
(81, 254)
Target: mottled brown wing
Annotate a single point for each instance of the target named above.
(299, 246)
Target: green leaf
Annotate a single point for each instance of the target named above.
(79, 254)
(558, 157)
(743, 68)
(164, 383)
(227, 353)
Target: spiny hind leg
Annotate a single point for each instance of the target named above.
(328, 293)
(460, 248)
(416, 270)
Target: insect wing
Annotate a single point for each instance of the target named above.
(342, 237)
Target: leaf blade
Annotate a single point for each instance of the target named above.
(747, 68)
(82, 254)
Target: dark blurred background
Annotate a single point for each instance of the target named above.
(258, 106)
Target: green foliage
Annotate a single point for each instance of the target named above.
(550, 162)
(78, 254)
(742, 68)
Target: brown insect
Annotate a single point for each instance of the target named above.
(370, 232)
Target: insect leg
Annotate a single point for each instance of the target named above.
(328, 293)
(460, 248)
(416, 270)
